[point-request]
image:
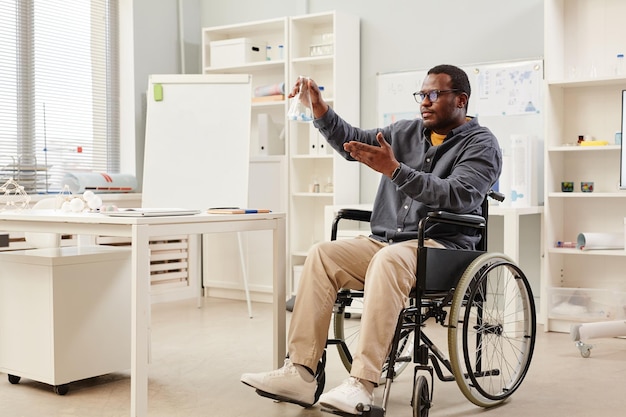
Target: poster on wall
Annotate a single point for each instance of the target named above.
(508, 89)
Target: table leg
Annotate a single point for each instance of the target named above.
(511, 236)
(140, 305)
(280, 297)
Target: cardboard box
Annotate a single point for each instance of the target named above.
(239, 51)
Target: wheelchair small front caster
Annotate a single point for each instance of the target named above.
(14, 379)
(585, 349)
(421, 397)
(61, 389)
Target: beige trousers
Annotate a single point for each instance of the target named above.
(385, 272)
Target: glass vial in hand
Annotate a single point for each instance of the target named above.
(300, 108)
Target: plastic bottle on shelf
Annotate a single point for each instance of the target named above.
(328, 187)
(316, 185)
(281, 52)
(268, 53)
(619, 64)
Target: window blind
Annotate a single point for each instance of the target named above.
(59, 107)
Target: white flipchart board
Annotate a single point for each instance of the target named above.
(197, 141)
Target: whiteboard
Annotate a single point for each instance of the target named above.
(499, 90)
(197, 141)
(507, 97)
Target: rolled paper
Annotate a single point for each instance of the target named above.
(591, 241)
(269, 90)
(602, 329)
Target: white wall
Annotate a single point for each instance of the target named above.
(395, 35)
(157, 50)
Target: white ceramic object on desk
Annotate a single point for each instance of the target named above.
(44, 240)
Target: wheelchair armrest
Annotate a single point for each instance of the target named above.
(470, 220)
(355, 214)
(349, 214)
(463, 220)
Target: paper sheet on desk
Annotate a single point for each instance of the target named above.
(591, 241)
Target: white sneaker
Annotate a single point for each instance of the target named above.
(347, 396)
(284, 384)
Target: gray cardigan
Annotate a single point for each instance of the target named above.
(454, 176)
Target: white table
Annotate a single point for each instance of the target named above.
(140, 230)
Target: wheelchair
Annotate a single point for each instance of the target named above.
(483, 299)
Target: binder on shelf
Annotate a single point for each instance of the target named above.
(317, 142)
(271, 136)
(312, 140)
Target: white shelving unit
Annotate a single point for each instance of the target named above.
(583, 97)
(326, 48)
(322, 46)
(268, 164)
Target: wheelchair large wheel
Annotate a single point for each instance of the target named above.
(346, 328)
(492, 329)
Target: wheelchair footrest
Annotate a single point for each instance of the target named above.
(282, 399)
(365, 411)
(372, 411)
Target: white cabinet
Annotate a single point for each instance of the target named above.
(288, 158)
(65, 313)
(326, 48)
(583, 97)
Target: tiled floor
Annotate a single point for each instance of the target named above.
(199, 355)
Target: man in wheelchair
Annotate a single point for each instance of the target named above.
(445, 161)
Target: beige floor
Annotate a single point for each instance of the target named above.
(199, 355)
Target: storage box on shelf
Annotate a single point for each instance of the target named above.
(583, 97)
(585, 304)
(239, 51)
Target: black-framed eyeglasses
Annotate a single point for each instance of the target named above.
(432, 95)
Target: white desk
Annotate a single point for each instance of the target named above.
(140, 230)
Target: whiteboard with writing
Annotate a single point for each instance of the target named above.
(498, 89)
(507, 98)
(197, 141)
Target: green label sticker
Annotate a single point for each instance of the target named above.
(158, 92)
